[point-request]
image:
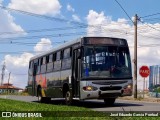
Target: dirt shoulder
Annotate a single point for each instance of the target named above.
(146, 99)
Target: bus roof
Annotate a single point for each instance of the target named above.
(72, 42)
(69, 43)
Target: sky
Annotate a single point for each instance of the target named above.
(45, 24)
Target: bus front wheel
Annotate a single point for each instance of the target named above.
(42, 99)
(68, 98)
(109, 101)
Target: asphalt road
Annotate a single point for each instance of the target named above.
(98, 105)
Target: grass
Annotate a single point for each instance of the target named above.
(54, 112)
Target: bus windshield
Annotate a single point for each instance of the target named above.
(106, 62)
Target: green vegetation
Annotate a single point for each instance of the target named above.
(158, 89)
(59, 111)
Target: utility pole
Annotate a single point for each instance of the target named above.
(3, 73)
(135, 56)
(8, 83)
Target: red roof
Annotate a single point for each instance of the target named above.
(9, 86)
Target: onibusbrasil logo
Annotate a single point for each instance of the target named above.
(21, 114)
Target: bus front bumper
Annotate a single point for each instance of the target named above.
(98, 94)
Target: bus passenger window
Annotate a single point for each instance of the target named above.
(50, 58)
(38, 70)
(44, 60)
(67, 53)
(30, 64)
(58, 56)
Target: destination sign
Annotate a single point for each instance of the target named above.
(104, 40)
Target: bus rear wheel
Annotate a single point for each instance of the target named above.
(109, 101)
(68, 98)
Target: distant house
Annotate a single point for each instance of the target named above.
(9, 88)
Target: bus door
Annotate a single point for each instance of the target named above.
(76, 72)
(34, 79)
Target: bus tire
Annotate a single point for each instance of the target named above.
(68, 98)
(109, 101)
(40, 98)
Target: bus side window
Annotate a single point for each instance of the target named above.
(30, 67)
(30, 64)
(43, 64)
(50, 63)
(57, 62)
(66, 62)
(67, 53)
(58, 56)
(38, 69)
(50, 58)
(54, 59)
(44, 60)
(35, 67)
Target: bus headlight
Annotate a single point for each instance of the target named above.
(89, 88)
(129, 86)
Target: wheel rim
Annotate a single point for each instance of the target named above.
(39, 96)
(68, 97)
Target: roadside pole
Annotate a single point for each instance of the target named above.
(8, 83)
(143, 87)
(144, 71)
(135, 56)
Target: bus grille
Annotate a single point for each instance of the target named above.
(109, 82)
(109, 95)
(110, 88)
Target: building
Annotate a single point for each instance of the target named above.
(9, 88)
(154, 77)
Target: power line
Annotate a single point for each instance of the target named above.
(150, 26)
(42, 16)
(150, 15)
(42, 36)
(82, 25)
(41, 30)
(60, 35)
(151, 19)
(124, 11)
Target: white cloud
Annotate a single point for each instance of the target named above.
(76, 18)
(101, 25)
(18, 61)
(18, 66)
(37, 6)
(44, 45)
(70, 8)
(7, 23)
